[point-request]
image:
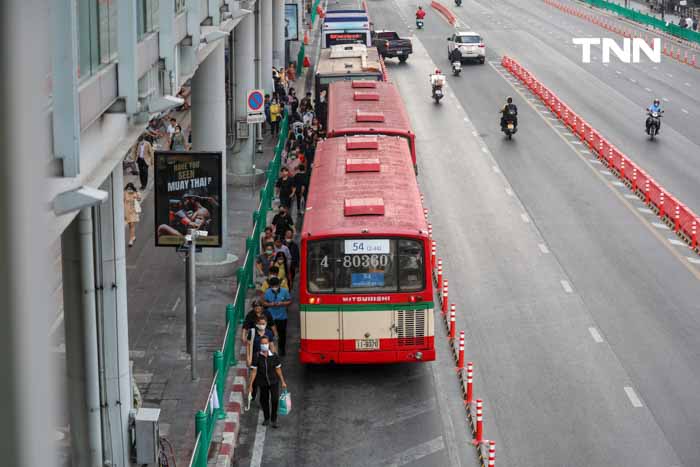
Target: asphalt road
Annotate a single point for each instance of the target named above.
(582, 315)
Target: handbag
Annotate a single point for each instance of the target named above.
(285, 405)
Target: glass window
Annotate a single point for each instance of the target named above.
(146, 17)
(365, 265)
(319, 267)
(88, 42)
(179, 6)
(411, 266)
(468, 39)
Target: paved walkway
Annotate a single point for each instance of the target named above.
(156, 295)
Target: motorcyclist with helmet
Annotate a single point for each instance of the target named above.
(652, 109)
(420, 13)
(509, 111)
(437, 80)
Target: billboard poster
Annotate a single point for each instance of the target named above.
(188, 197)
(291, 22)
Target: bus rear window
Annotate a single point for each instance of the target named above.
(365, 266)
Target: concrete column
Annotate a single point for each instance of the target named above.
(126, 44)
(166, 46)
(28, 387)
(278, 33)
(81, 341)
(209, 128)
(113, 324)
(266, 45)
(243, 54)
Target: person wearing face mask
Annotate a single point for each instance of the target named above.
(178, 141)
(281, 247)
(292, 162)
(265, 260)
(282, 221)
(255, 335)
(251, 319)
(276, 300)
(274, 272)
(294, 251)
(266, 376)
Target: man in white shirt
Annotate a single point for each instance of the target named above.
(171, 130)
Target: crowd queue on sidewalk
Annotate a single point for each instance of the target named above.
(265, 326)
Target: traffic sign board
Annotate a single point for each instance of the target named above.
(256, 118)
(255, 101)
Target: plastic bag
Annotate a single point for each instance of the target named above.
(285, 405)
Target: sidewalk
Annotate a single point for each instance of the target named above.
(156, 295)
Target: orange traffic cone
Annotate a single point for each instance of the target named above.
(307, 62)
(306, 38)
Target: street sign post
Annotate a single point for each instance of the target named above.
(256, 106)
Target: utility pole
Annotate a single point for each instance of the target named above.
(190, 301)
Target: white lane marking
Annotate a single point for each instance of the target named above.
(543, 248)
(474, 133)
(414, 410)
(633, 80)
(566, 286)
(509, 191)
(554, 119)
(618, 183)
(693, 260)
(645, 210)
(647, 89)
(618, 72)
(605, 172)
(659, 225)
(684, 111)
(496, 169)
(687, 84)
(605, 65)
(413, 454)
(466, 119)
(665, 99)
(595, 161)
(260, 432)
(585, 151)
(575, 142)
(669, 75)
(596, 335)
(561, 127)
(524, 217)
(675, 241)
(631, 196)
(177, 302)
(633, 397)
(56, 323)
(484, 150)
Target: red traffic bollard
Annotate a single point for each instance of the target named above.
(460, 358)
(647, 194)
(694, 235)
(634, 179)
(661, 205)
(433, 254)
(444, 296)
(470, 383)
(439, 276)
(425, 213)
(430, 230)
(622, 169)
(479, 423)
(492, 453)
(678, 217)
(453, 321)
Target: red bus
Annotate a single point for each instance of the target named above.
(368, 107)
(366, 294)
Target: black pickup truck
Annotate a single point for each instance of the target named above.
(390, 45)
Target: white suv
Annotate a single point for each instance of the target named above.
(470, 44)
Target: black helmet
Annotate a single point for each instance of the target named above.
(509, 100)
(657, 101)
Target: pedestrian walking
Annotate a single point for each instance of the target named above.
(250, 320)
(178, 141)
(267, 103)
(266, 376)
(256, 333)
(285, 190)
(144, 159)
(265, 260)
(267, 237)
(132, 210)
(301, 182)
(276, 300)
(294, 250)
(274, 272)
(275, 115)
(282, 221)
(281, 249)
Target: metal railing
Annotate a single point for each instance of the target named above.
(226, 357)
(646, 19)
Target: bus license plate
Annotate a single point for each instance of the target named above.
(366, 344)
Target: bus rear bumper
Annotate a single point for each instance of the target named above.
(367, 357)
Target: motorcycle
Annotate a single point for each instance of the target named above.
(437, 94)
(456, 68)
(509, 127)
(653, 124)
(419, 23)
